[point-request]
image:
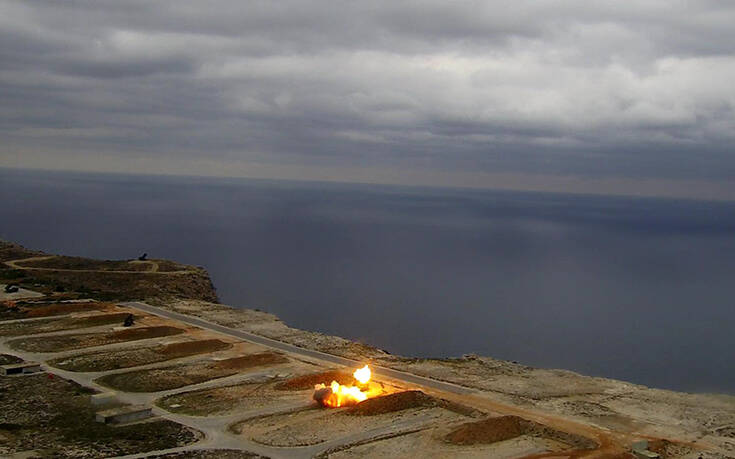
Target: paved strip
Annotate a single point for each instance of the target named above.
(285, 347)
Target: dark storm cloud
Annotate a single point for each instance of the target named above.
(577, 87)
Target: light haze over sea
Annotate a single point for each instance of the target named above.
(629, 288)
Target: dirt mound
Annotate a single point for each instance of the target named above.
(194, 347)
(173, 377)
(392, 402)
(101, 319)
(489, 430)
(501, 428)
(307, 382)
(52, 324)
(64, 308)
(134, 334)
(78, 341)
(136, 356)
(251, 360)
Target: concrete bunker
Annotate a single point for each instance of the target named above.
(124, 414)
(20, 368)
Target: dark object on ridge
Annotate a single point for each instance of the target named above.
(60, 289)
(11, 288)
(321, 394)
(128, 321)
(143, 257)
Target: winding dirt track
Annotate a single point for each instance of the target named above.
(153, 267)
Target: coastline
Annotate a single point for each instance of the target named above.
(705, 420)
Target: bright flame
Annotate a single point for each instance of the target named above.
(362, 375)
(338, 395)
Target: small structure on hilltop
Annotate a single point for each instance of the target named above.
(143, 257)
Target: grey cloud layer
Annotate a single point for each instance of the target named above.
(630, 89)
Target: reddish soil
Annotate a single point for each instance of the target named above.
(102, 319)
(194, 347)
(158, 379)
(497, 429)
(249, 361)
(132, 334)
(68, 342)
(392, 402)
(60, 324)
(133, 357)
(307, 382)
(64, 308)
(487, 431)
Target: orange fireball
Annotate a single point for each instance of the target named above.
(337, 395)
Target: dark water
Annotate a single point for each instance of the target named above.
(636, 289)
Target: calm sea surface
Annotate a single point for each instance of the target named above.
(636, 289)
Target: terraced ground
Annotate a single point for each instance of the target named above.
(160, 379)
(239, 383)
(126, 358)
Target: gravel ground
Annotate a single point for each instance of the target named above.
(317, 425)
(55, 418)
(126, 358)
(70, 342)
(230, 399)
(158, 379)
(54, 324)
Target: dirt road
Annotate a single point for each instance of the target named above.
(153, 267)
(611, 444)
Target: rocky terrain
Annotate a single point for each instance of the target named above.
(76, 277)
(707, 419)
(217, 393)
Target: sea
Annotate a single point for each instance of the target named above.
(638, 289)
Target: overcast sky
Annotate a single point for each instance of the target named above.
(608, 97)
